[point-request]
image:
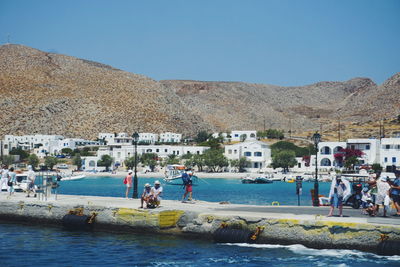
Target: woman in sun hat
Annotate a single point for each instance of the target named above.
(157, 192)
(383, 192)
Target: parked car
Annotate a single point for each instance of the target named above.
(62, 166)
(60, 156)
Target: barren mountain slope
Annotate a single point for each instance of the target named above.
(56, 94)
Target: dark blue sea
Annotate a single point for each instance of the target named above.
(24, 245)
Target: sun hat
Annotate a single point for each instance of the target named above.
(157, 182)
(384, 179)
(147, 185)
(129, 171)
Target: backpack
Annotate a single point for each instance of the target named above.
(125, 181)
(185, 178)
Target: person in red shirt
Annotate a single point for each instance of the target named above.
(128, 180)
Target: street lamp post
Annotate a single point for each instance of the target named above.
(316, 138)
(135, 139)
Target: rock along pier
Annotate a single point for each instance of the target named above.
(283, 225)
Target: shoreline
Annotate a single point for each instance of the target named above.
(222, 175)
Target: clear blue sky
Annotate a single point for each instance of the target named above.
(275, 42)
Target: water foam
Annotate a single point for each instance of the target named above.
(303, 250)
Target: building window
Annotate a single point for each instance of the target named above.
(367, 147)
(394, 160)
(236, 135)
(198, 152)
(229, 151)
(257, 154)
(157, 150)
(247, 154)
(387, 146)
(252, 135)
(92, 163)
(385, 159)
(165, 150)
(177, 152)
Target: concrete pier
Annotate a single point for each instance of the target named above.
(284, 225)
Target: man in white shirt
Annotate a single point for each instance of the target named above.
(4, 178)
(156, 191)
(31, 181)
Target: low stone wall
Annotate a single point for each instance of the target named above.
(315, 233)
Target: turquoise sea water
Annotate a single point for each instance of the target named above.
(215, 190)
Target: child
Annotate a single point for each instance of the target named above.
(365, 195)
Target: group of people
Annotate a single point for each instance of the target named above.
(381, 191)
(8, 180)
(151, 196)
(378, 191)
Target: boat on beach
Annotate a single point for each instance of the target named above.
(256, 180)
(72, 177)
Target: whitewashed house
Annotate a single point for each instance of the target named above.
(326, 154)
(370, 148)
(149, 138)
(256, 152)
(390, 152)
(169, 137)
(246, 135)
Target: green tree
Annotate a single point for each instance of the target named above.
(243, 163)
(50, 162)
(376, 167)
(299, 151)
(198, 160)
(20, 152)
(284, 159)
(215, 160)
(67, 151)
(77, 161)
(130, 163)
(105, 161)
(202, 136)
(149, 159)
(8, 160)
(350, 162)
(33, 160)
(172, 159)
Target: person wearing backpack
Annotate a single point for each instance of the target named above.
(187, 183)
(128, 183)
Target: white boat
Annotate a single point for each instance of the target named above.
(21, 183)
(174, 172)
(73, 177)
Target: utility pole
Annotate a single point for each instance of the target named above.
(290, 127)
(264, 124)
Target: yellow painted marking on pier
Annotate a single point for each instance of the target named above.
(169, 218)
(164, 219)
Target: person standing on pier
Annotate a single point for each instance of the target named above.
(128, 182)
(340, 190)
(187, 182)
(4, 177)
(31, 182)
(11, 180)
(396, 193)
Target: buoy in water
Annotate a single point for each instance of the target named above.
(389, 248)
(76, 222)
(227, 235)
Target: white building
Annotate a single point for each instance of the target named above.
(72, 143)
(390, 152)
(106, 136)
(326, 154)
(369, 147)
(149, 138)
(246, 135)
(169, 137)
(258, 153)
(121, 152)
(42, 144)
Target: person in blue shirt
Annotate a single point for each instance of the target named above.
(396, 193)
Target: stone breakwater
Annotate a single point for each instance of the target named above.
(202, 219)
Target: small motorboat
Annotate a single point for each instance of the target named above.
(73, 178)
(263, 180)
(248, 180)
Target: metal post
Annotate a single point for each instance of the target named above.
(135, 139)
(316, 198)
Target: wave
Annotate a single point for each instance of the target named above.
(303, 250)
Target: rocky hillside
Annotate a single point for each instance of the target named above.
(50, 93)
(56, 94)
